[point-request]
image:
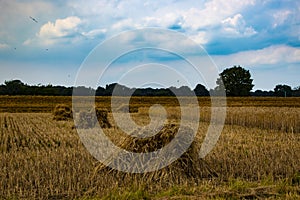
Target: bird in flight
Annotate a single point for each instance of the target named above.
(33, 19)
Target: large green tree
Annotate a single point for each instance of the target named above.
(15, 87)
(236, 81)
(296, 91)
(200, 90)
(283, 90)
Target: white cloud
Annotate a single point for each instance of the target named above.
(94, 33)
(280, 17)
(130, 14)
(71, 29)
(197, 21)
(28, 42)
(200, 37)
(104, 18)
(267, 56)
(165, 20)
(3, 46)
(213, 13)
(236, 26)
(125, 24)
(49, 32)
(276, 54)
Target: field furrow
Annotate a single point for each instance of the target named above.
(31, 131)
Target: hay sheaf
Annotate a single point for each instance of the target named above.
(88, 119)
(102, 117)
(62, 112)
(188, 167)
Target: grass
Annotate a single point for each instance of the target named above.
(254, 158)
(235, 189)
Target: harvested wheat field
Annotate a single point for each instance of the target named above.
(256, 157)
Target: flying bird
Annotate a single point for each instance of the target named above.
(33, 19)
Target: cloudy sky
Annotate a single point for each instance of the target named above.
(47, 41)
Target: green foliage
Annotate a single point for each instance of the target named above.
(200, 90)
(134, 194)
(283, 91)
(296, 91)
(296, 178)
(236, 81)
(14, 87)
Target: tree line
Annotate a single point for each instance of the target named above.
(17, 87)
(235, 81)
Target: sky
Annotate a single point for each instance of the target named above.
(48, 42)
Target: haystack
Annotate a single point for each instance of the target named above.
(88, 119)
(62, 112)
(188, 168)
(102, 116)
